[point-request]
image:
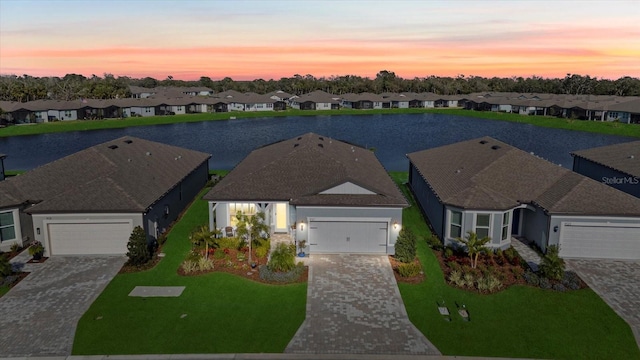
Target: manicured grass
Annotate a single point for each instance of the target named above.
(224, 313)
(518, 322)
(552, 122)
(3, 290)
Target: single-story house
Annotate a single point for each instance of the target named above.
(496, 190)
(615, 165)
(316, 100)
(333, 194)
(89, 202)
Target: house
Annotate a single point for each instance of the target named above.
(89, 202)
(626, 111)
(615, 165)
(496, 190)
(333, 194)
(315, 100)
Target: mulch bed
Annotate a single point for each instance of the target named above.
(11, 254)
(407, 280)
(231, 265)
(504, 270)
(33, 261)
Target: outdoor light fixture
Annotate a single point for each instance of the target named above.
(38, 231)
(395, 225)
(302, 225)
(555, 228)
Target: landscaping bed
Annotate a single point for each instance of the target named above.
(395, 265)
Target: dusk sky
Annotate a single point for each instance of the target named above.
(266, 39)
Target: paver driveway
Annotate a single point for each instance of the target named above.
(354, 307)
(617, 282)
(39, 316)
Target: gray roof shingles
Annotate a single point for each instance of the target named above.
(472, 175)
(299, 169)
(624, 157)
(129, 178)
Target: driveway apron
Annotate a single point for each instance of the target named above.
(354, 307)
(617, 282)
(38, 317)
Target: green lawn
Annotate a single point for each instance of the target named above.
(83, 125)
(3, 290)
(224, 313)
(519, 322)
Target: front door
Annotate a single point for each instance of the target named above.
(281, 217)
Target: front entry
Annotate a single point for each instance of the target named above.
(281, 217)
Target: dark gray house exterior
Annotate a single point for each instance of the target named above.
(615, 165)
(89, 202)
(496, 190)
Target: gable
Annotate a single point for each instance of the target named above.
(348, 188)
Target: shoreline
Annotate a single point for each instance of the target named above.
(608, 128)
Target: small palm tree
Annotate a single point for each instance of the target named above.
(251, 228)
(474, 246)
(203, 235)
(552, 266)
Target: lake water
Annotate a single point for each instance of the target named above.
(392, 136)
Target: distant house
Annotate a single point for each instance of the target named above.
(496, 190)
(335, 195)
(615, 165)
(316, 100)
(625, 112)
(89, 202)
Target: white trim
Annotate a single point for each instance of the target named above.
(349, 207)
(490, 230)
(589, 224)
(47, 217)
(596, 217)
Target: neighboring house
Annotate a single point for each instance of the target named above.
(335, 195)
(89, 202)
(315, 100)
(626, 111)
(496, 190)
(615, 165)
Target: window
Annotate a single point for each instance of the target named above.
(269, 106)
(505, 226)
(147, 109)
(7, 226)
(455, 229)
(483, 225)
(179, 108)
(244, 208)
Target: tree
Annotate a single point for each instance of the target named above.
(5, 266)
(474, 246)
(138, 253)
(405, 246)
(552, 266)
(251, 228)
(202, 235)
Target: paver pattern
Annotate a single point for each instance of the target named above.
(617, 282)
(523, 247)
(354, 307)
(38, 317)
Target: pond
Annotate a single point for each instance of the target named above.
(392, 137)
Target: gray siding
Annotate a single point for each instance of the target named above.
(535, 226)
(176, 199)
(427, 201)
(608, 176)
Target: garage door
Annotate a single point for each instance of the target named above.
(89, 238)
(347, 237)
(606, 241)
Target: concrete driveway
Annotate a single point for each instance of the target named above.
(617, 282)
(354, 307)
(38, 317)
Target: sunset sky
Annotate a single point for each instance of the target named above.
(266, 39)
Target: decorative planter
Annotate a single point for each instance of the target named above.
(37, 256)
(301, 254)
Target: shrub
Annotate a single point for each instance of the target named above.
(283, 258)
(405, 246)
(531, 278)
(453, 265)
(205, 264)
(559, 287)
(469, 279)
(434, 242)
(571, 280)
(545, 283)
(162, 239)
(219, 254)
(455, 277)
(517, 271)
(490, 283)
(37, 248)
(15, 247)
(448, 252)
(262, 251)
(510, 254)
(552, 266)
(229, 243)
(282, 277)
(409, 269)
(5, 266)
(189, 266)
(138, 253)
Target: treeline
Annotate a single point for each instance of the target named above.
(73, 86)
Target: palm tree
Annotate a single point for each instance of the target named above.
(251, 228)
(474, 246)
(203, 235)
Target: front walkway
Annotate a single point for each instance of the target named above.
(38, 317)
(530, 256)
(354, 307)
(617, 282)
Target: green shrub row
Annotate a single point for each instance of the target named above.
(282, 277)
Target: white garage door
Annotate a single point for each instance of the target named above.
(606, 241)
(89, 238)
(347, 237)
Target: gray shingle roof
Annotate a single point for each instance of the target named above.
(124, 175)
(298, 169)
(624, 157)
(488, 174)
